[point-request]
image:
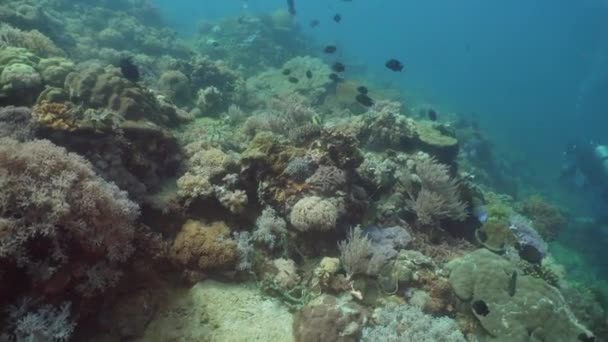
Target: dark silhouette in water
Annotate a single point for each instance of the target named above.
(291, 7)
(587, 163)
(432, 114)
(129, 70)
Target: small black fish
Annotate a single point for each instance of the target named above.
(293, 80)
(309, 74)
(338, 67)
(337, 18)
(286, 72)
(215, 43)
(330, 49)
(362, 90)
(335, 77)
(394, 65)
(129, 70)
(364, 100)
(432, 114)
(314, 23)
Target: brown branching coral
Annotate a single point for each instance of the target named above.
(205, 246)
(58, 217)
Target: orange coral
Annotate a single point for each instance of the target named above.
(205, 246)
(547, 219)
(53, 115)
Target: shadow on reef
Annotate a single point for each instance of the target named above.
(120, 199)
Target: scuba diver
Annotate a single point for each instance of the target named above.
(587, 167)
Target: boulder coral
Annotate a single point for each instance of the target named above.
(509, 305)
(314, 213)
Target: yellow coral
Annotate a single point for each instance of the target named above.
(205, 246)
(57, 116)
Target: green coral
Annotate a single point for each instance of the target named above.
(512, 306)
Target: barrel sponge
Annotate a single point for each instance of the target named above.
(204, 246)
(511, 306)
(314, 213)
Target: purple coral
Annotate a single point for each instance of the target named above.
(532, 247)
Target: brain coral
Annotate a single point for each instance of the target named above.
(205, 246)
(511, 306)
(314, 213)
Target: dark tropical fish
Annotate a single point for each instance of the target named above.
(337, 18)
(362, 90)
(481, 308)
(314, 23)
(432, 114)
(293, 80)
(334, 77)
(330, 49)
(129, 70)
(291, 7)
(512, 286)
(308, 73)
(338, 67)
(364, 100)
(286, 72)
(394, 65)
(215, 43)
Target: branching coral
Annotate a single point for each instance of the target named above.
(52, 205)
(406, 323)
(355, 252)
(57, 116)
(438, 197)
(270, 229)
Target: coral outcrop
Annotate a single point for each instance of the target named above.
(512, 306)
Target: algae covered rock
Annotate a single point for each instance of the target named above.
(511, 306)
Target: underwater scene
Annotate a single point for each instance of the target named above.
(303, 170)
